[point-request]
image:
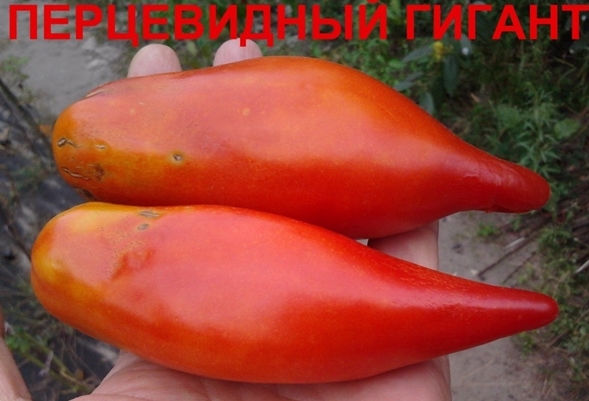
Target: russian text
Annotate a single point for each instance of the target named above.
(149, 22)
(268, 23)
(508, 21)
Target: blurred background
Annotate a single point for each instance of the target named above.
(520, 99)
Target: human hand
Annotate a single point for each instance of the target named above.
(134, 379)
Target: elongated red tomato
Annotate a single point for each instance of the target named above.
(249, 296)
(299, 137)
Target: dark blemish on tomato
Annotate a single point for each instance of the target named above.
(150, 214)
(64, 141)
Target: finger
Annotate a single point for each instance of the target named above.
(133, 378)
(12, 385)
(231, 51)
(418, 246)
(154, 59)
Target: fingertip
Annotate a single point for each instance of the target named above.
(232, 51)
(154, 59)
(418, 246)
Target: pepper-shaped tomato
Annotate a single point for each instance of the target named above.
(299, 137)
(249, 296)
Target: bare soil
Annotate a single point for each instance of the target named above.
(499, 370)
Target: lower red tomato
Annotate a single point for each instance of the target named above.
(248, 296)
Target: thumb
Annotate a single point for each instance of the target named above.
(12, 385)
(154, 59)
(232, 51)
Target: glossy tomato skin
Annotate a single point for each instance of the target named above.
(248, 296)
(299, 137)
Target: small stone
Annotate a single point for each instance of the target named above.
(458, 248)
(8, 253)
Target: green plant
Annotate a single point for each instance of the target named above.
(11, 71)
(529, 133)
(40, 341)
(424, 69)
(487, 230)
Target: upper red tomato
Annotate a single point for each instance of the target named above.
(299, 137)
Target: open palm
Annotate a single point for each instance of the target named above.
(134, 379)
